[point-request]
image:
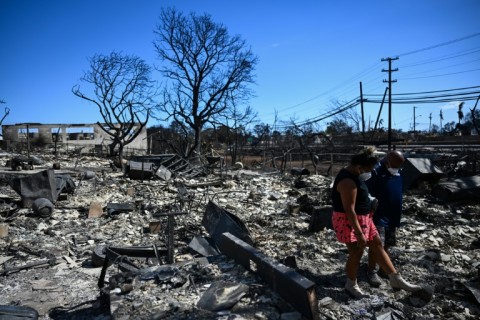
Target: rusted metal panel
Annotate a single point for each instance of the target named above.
(416, 170)
(37, 185)
(217, 220)
(293, 287)
(204, 246)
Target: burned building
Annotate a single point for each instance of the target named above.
(77, 136)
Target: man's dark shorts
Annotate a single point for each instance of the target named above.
(388, 235)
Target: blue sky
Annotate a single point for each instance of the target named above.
(311, 53)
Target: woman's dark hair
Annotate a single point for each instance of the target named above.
(366, 157)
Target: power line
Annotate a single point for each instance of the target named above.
(440, 75)
(356, 76)
(436, 100)
(440, 98)
(442, 58)
(445, 67)
(439, 45)
(346, 106)
(444, 90)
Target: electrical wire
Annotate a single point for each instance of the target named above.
(445, 67)
(441, 58)
(441, 75)
(356, 76)
(346, 106)
(439, 45)
(444, 90)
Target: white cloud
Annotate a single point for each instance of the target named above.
(450, 106)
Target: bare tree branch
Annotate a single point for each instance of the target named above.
(123, 93)
(205, 68)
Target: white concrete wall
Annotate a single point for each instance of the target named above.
(44, 132)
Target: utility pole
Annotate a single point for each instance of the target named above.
(390, 81)
(414, 118)
(363, 120)
(430, 126)
(28, 142)
(441, 118)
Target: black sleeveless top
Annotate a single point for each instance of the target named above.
(362, 202)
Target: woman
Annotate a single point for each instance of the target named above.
(353, 223)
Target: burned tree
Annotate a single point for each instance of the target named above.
(6, 113)
(169, 139)
(237, 120)
(122, 91)
(474, 114)
(346, 115)
(205, 68)
(262, 131)
(306, 137)
(338, 127)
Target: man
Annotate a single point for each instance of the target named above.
(386, 184)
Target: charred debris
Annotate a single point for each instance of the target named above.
(177, 239)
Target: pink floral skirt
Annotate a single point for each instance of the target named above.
(344, 230)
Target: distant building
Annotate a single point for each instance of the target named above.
(66, 135)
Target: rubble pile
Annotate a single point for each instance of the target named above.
(123, 248)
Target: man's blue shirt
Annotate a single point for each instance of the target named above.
(387, 188)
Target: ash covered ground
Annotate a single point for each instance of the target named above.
(438, 246)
